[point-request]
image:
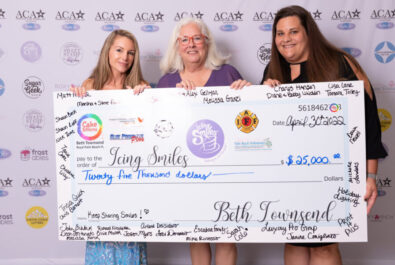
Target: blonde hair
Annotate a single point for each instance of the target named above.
(172, 61)
(102, 72)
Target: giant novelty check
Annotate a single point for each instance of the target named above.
(261, 164)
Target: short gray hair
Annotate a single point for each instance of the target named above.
(172, 61)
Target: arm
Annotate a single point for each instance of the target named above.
(80, 91)
(371, 189)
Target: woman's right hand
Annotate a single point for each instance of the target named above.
(271, 82)
(79, 91)
(187, 84)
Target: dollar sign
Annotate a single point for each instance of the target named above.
(290, 161)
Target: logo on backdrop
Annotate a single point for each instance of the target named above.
(378, 218)
(355, 52)
(385, 119)
(37, 217)
(33, 120)
(33, 154)
(4, 185)
(71, 53)
(384, 52)
(36, 186)
(181, 15)
(71, 18)
(346, 18)
(228, 20)
(265, 17)
(110, 18)
(2, 87)
(2, 14)
(383, 183)
(384, 16)
(150, 20)
(33, 87)
(30, 17)
(90, 127)
(205, 139)
(31, 51)
(4, 153)
(316, 15)
(152, 56)
(264, 53)
(6, 219)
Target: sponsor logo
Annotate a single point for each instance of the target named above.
(149, 28)
(37, 217)
(6, 219)
(228, 27)
(33, 154)
(266, 27)
(37, 193)
(385, 119)
(4, 153)
(3, 193)
(90, 127)
(346, 26)
(164, 129)
(264, 16)
(264, 53)
(383, 183)
(31, 51)
(71, 53)
(384, 16)
(106, 16)
(6, 183)
(384, 52)
(2, 14)
(181, 15)
(71, 27)
(147, 17)
(33, 87)
(205, 139)
(153, 57)
(378, 218)
(31, 26)
(316, 15)
(228, 16)
(110, 27)
(128, 122)
(33, 120)
(385, 25)
(334, 107)
(36, 183)
(346, 15)
(2, 87)
(352, 51)
(246, 121)
(134, 138)
(30, 15)
(259, 144)
(70, 15)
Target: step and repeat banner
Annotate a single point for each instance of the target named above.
(47, 46)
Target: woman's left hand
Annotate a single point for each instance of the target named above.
(371, 193)
(139, 88)
(239, 84)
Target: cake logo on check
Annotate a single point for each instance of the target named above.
(90, 127)
(205, 139)
(246, 121)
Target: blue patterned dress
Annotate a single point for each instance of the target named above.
(115, 253)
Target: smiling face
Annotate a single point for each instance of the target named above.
(291, 40)
(121, 54)
(192, 51)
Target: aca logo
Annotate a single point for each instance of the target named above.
(70, 17)
(383, 183)
(355, 52)
(384, 52)
(346, 16)
(5, 184)
(2, 87)
(31, 51)
(149, 17)
(264, 53)
(246, 121)
(334, 107)
(31, 17)
(205, 139)
(181, 15)
(33, 120)
(71, 53)
(33, 87)
(4, 153)
(383, 15)
(36, 186)
(264, 16)
(385, 119)
(109, 18)
(228, 19)
(89, 127)
(37, 217)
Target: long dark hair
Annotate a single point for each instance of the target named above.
(324, 59)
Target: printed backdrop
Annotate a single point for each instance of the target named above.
(46, 46)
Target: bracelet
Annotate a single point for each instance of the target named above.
(372, 175)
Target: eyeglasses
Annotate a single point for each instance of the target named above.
(197, 39)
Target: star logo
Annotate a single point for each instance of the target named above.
(159, 16)
(80, 15)
(8, 182)
(2, 12)
(46, 182)
(387, 182)
(199, 15)
(356, 13)
(120, 15)
(393, 13)
(40, 14)
(317, 14)
(238, 15)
